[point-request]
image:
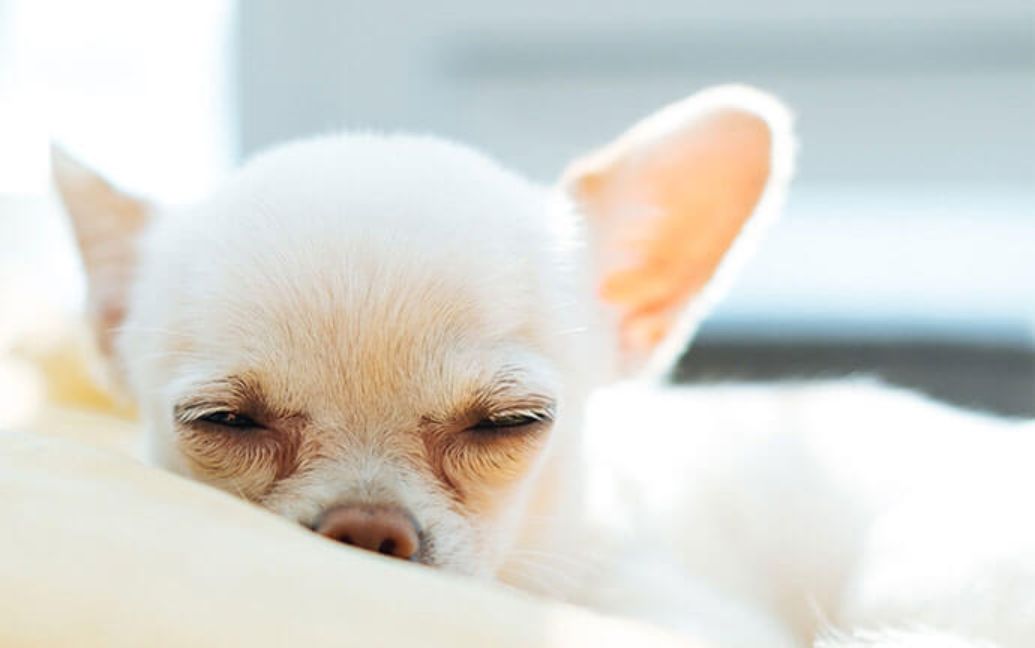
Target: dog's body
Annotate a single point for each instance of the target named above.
(404, 347)
(773, 515)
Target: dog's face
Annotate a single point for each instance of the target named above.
(388, 339)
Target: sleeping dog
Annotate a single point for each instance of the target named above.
(401, 345)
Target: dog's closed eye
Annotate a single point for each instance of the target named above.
(228, 419)
(220, 415)
(236, 402)
(512, 422)
(233, 435)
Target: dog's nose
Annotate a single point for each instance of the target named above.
(388, 531)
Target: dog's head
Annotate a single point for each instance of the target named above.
(389, 339)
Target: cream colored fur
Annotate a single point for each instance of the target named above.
(371, 284)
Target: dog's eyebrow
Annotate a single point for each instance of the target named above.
(239, 392)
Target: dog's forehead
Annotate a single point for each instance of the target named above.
(385, 206)
(373, 265)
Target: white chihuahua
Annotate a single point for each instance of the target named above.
(404, 347)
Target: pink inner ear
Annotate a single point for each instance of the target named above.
(106, 224)
(667, 212)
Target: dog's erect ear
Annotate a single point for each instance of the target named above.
(107, 224)
(666, 203)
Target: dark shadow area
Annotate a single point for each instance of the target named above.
(988, 378)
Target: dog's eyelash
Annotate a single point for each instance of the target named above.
(228, 419)
(513, 420)
(192, 413)
(535, 416)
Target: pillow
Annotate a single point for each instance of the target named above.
(100, 550)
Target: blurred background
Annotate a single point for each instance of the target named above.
(908, 246)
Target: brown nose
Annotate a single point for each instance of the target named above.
(388, 531)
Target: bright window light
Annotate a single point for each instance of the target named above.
(139, 89)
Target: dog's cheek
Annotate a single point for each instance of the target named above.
(244, 464)
(483, 471)
(487, 478)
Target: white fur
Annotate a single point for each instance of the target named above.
(840, 510)
(310, 227)
(369, 280)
